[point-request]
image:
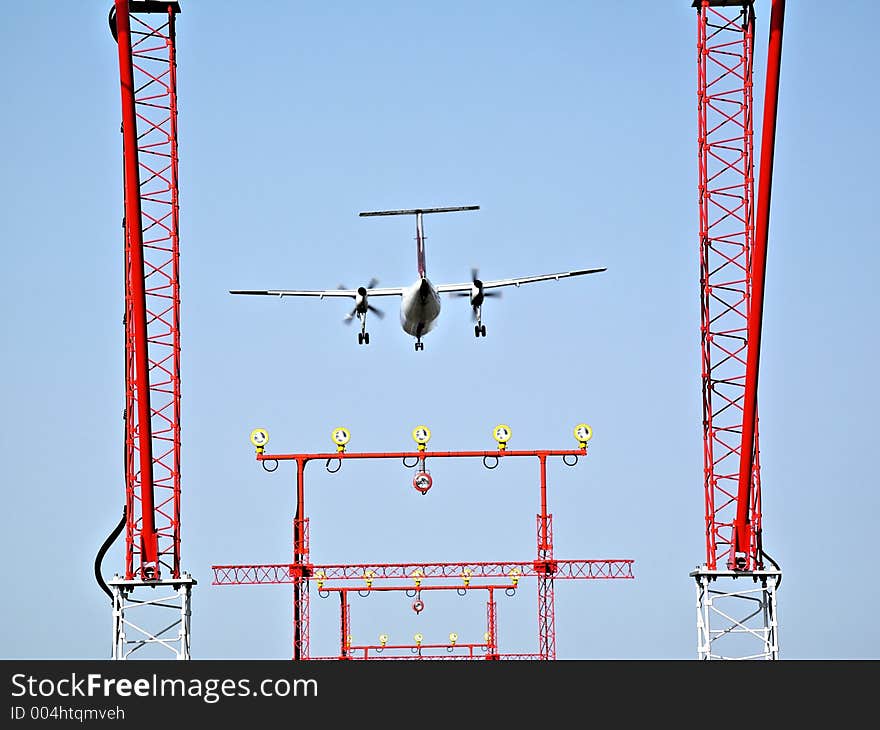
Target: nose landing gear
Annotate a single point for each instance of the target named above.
(479, 327)
(363, 335)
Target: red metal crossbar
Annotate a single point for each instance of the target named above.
(270, 574)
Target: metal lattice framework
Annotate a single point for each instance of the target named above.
(279, 573)
(727, 227)
(464, 577)
(155, 626)
(738, 621)
(146, 38)
(733, 246)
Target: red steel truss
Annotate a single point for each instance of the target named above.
(454, 649)
(726, 201)
(460, 576)
(146, 44)
(274, 574)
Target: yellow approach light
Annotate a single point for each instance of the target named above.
(341, 437)
(583, 433)
(501, 434)
(259, 438)
(421, 435)
(417, 576)
(514, 576)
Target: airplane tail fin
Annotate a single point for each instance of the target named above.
(420, 235)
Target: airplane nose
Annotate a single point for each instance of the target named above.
(477, 292)
(360, 301)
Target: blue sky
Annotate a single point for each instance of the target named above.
(573, 127)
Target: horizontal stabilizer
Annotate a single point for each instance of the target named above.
(414, 211)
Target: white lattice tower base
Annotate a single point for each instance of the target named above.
(740, 622)
(156, 623)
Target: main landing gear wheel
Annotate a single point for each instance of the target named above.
(363, 338)
(479, 329)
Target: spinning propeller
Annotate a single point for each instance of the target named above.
(477, 294)
(361, 303)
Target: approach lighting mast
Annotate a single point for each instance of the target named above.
(739, 621)
(423, 581)
(144, 32)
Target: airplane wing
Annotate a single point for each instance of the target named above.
(517, 281)
(320, 293)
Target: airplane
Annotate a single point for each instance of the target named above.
(420, 301)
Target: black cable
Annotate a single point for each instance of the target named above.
(775, 565)
(111, 19)
(99, 558)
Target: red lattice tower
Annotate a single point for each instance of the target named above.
(152, 292)
(727, 228)
(733, 233)
(144, 31)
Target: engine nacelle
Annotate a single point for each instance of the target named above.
(360, 300)
(476, 293)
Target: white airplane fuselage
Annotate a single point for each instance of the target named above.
(419, 307)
